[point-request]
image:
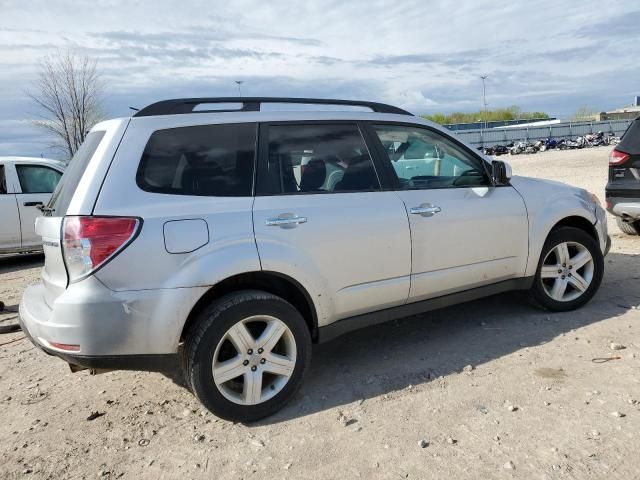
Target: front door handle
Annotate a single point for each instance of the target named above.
(285, 220)
(33, 204)
(426, 210)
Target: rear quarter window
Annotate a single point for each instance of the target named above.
(202, 160)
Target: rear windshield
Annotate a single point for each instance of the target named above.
(63, 193)
(210, 160)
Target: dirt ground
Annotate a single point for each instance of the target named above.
(535, 405)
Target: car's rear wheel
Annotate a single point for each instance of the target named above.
(569, 271)
(247, 355)
(630, 228)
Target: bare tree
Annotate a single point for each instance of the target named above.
(68, 91)
(583, 114)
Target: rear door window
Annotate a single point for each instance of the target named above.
(202, 160)
(37, 178)
(320, 158)
(63, 193)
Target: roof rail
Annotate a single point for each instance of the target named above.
(252, 104)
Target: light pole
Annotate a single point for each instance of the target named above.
(484, 98)
(239, 83)
(484, 102)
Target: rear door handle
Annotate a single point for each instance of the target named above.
(426, 210)
(32, 204)
(285, 220)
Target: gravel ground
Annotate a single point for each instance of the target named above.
(392, 401)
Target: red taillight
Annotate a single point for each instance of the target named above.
(90, 241)
(617, 157)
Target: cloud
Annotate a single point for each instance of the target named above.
(421, 56)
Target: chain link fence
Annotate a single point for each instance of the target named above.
(503, 136)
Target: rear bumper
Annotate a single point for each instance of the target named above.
(150, 363)
(624, 207)
(138, 330)
(623, 202)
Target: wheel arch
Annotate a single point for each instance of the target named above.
(578, 222)
(272, 282)
(541, 231)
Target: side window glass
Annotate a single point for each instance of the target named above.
(318, 159)
(423, 158)
(3, 181)
(203, 160)
(37, 179)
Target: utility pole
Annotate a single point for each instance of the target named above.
(239, 83)
(484, 98)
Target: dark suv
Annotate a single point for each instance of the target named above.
(623, 188)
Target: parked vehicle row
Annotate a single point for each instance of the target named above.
(25, 184)
(526, 147)
(224, 242)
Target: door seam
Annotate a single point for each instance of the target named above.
(406, 214)
(253, 229)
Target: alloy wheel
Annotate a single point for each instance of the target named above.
(567, 271)
(254, 360)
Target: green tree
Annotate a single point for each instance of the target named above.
(501, 114)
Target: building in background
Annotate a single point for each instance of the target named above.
(624, 113)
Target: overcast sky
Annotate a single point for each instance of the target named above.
(424, 55)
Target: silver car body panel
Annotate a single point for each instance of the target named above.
(353, 254)
(548, 202)
(457, 247)
(104, 322)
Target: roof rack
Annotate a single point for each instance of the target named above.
(252, 104)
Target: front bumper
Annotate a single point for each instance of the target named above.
(602, 229)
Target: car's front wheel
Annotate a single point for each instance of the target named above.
(569, 271)
(247, 355)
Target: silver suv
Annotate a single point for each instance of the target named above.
(223, 236)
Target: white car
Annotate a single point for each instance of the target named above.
(25, 184)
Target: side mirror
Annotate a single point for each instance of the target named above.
(501, 172)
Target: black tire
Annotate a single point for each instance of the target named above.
(6, 327)
(211, 326)
(13, 327)
(555, 238)
(630, 228)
